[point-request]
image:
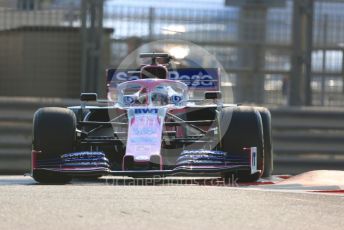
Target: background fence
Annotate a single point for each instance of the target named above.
(72, 42)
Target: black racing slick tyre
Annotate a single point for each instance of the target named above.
(242, 127)
(268, 148)
(54, 134)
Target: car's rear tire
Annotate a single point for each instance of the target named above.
(53, 135)
(242, 127)
(268, 148)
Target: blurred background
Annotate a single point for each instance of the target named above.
(287, 55)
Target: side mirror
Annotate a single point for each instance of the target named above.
(213, 95)
(88, 97)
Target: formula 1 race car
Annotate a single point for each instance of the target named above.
(151, 126)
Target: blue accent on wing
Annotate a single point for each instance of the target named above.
(212, 158)
(76, 160)
(194, 78)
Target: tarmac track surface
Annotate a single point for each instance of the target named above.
(118, 203)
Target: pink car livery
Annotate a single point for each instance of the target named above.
(157, 121)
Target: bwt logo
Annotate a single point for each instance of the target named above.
(145, 111)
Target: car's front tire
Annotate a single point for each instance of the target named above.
(53, 135)
(242, 127)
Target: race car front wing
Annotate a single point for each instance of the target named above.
(95, 163)
(184, 170)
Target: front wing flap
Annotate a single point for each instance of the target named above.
(184, 170)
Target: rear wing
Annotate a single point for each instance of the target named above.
(200, 79)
